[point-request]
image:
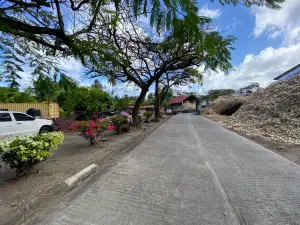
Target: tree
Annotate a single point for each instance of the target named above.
(215, 93)
(120, 104)
(169, 96)
(10, 67)
(142, 59)
(151, 98)
(53, 88)
(87, 100)
(183, 77)
(250, 88)
(12, 95)
(96, 84)
(33, 31)
(49, 24)
(65, 82)
(204, 98)
(45, 89)
(46, 22)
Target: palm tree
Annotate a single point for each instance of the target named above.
(96, 84)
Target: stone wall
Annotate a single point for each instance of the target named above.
(185, 106)
(189, 106)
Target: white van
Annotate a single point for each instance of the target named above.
(18, 123)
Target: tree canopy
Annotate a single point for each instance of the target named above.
(108, 39)
(143, 59)
(86, 100)
(61, 25)
(12, 95)
(35, 33)
(250, 88)
(215, 93)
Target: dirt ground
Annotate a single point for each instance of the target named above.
(289, 151)
(72, 156)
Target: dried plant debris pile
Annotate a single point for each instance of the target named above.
(225, 105)
(273, 112)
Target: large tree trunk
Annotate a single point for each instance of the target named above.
(162, 97)
(137, 105)
(157, 101)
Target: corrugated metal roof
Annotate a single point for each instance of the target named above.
(178, 99)
(290, 70)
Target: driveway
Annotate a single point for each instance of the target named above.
(189, 171)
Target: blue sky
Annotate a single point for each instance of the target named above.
(239, 22)
(268, 43)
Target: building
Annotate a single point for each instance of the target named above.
(142, 108)
(187, 103)
(289, 74)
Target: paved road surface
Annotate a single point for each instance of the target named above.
(190, 171)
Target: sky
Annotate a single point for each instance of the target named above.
(268, 44)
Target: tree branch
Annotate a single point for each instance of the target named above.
(60, 19)
(75, 8)
(12, 26)
(37, 4)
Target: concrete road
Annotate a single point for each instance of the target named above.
(189, 171)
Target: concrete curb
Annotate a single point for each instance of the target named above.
(83, 177)
(78, 177)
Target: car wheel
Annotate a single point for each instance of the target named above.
(44, 130)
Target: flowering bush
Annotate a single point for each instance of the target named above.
(91, 130)
(123, 113)
(25, 151)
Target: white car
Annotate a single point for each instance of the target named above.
(18, 123)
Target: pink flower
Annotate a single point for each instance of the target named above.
(87, 133)
(92, 124)
(93, 135)
(101, 134)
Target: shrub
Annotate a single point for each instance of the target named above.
(91, 130)
(121, 122)
(148, 114)
(25, 151)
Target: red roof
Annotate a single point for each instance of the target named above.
(178, 99)
(142, 107)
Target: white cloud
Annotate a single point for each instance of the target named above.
(261, 68)
(73, 68)
(70, 66)
(121, 89)
(211, 13)
(284, 22)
